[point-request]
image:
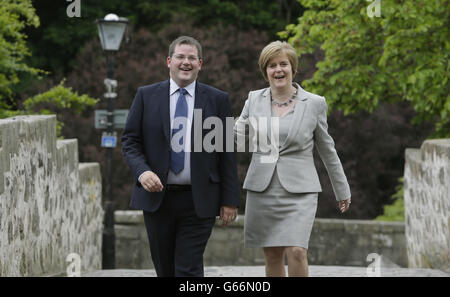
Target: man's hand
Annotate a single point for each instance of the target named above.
(344, 205)
(228, 214)
(150, 181)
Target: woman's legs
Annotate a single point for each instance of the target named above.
(297, 261)
(297, 258)
(274, 261)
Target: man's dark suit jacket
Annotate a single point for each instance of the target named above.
(146, 146)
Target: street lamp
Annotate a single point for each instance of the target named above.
(111, 30)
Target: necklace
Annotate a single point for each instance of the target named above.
(280, 104)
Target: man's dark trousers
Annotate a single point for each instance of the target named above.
(177, 236)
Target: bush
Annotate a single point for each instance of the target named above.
(395, 211)
(58, 100)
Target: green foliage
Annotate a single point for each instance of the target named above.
(14, 17)
(401, 56)
(6, 113)
(395, 211)
(65, 36)
(59, 98)
(56, 100)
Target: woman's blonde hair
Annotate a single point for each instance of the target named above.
(272, 50)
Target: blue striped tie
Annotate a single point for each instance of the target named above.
(181, 111)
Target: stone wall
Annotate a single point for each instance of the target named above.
(333, 242)
(427, 203)
(50, 205)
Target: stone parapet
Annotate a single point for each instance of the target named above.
(427, 204)
(333, 242)
(50, 204)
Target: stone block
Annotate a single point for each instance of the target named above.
(333, 242)
(50, 205)
(427, 202)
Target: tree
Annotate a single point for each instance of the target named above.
(59, 100)
(14, 17)
(403, 55)
(65, 36)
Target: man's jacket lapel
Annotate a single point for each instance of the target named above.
(163, 98)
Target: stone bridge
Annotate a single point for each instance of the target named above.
(51, 218)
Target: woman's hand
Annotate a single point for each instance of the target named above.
(344, 205)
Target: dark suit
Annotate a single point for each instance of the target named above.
(146, 146)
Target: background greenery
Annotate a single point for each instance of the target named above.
(385, 79)
(401, 56)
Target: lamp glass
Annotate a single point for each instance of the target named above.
(111, 34)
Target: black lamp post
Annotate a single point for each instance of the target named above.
(111, 30)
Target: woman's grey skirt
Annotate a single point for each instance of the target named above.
(276, 217)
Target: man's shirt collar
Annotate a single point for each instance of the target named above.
(189, 88)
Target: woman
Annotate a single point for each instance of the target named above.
(282, 190)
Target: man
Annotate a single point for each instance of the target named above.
(179, 189)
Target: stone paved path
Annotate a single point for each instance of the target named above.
(258, 271)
